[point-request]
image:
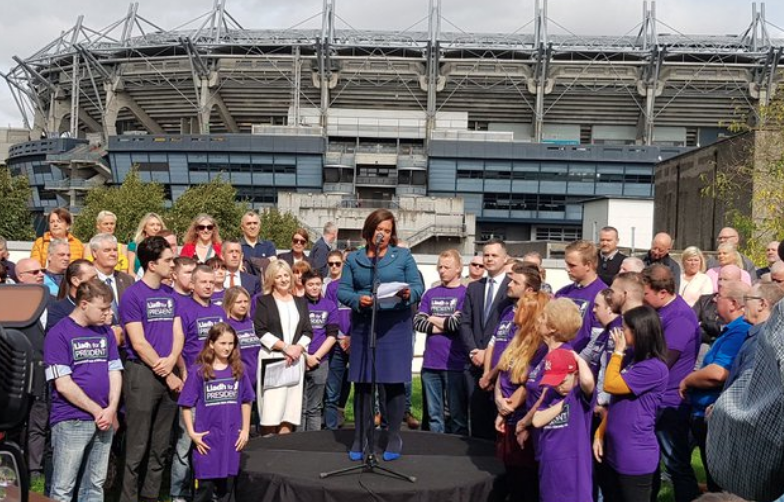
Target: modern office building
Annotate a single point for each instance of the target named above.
(521, 127)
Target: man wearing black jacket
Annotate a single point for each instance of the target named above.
(610, 258)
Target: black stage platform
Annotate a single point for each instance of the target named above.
(286, 468)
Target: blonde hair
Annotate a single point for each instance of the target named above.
(563, 316)
(729, 247)
(102, 215)
(191, 233)
(691, 252)
(140, 235)
(272, 270)
(521, 350)
(454, 254)
(589, 254)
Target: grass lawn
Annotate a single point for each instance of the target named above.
(665, 495)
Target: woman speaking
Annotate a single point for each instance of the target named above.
(394, 327)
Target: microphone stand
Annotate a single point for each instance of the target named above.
(370, 461)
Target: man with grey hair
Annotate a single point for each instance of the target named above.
(632, 264)
(704, 386)
(660, 253)
(10, 267)
(777, 274)
(105, 255)
(58, 258)
(322, 247)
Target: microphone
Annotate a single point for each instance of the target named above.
(378, 239)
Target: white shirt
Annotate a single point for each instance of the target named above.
(227, 280)
(102, 278)
(497, 280)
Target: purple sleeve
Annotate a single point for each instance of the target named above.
(424, 304)
(130, 308)
(114, 354)
(56, 349)
(332, 314)
(192, 389)
(643, 376)
(248, 396)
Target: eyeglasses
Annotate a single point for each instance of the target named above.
(204, 227)
(299, 241)
(747, 298)
(478, 265)
(335, 263)
(33, 272)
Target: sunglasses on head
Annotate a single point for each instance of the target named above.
(205, 227)
(299, 241)
(335, 263)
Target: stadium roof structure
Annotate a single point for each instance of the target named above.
(211, 74)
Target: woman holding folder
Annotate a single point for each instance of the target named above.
(283, 323)
(394, 327)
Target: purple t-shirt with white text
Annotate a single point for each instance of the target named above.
(632, 448)
(508, 387)
(87, 354)
(155, 309)
(504, 333)
(196, 323)
(443, 351)
(323, 313)
(250, 345)
(682, 334)
(218, 409)
(563, 450)
(583, 297)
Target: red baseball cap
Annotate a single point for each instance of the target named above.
(557, 365)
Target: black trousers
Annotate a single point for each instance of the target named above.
(208, 490)
(625, 488)
(151, 409)
(481, 407)
(395, 403)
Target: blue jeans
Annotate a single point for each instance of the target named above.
(338, 367)
(672, 431)
(78, 444)
(437, 384)
(181, 475)
(313, 397)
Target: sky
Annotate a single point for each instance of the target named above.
(29, 26)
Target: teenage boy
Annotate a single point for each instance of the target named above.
(324, 319)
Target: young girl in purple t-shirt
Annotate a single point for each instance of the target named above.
(626, 439)
(221, 393)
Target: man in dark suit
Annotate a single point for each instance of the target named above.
(322, 247)
(232, 256)
(104, 249)
(610, 258)
(485, 300)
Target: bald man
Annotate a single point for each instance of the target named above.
(731, 236)
(632, 264)
(771, 257)
(660, 253)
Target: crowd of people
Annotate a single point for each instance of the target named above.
(187, 352)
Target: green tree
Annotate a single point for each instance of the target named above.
(218, 198)
(129, 201)
(15, 220)
(278, 227)
(751, 185)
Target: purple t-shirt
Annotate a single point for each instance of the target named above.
(583, 297)
(632, 448)
(564, 450)
(323, 313)
(504, 333)
(597, 353)
(87, 354)
(508, 387)
(443, 351)
(344, 311)
(681, 333)
(196, 323)
(250, 345)
(217, 297)
(155, 309)
(218, 405)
